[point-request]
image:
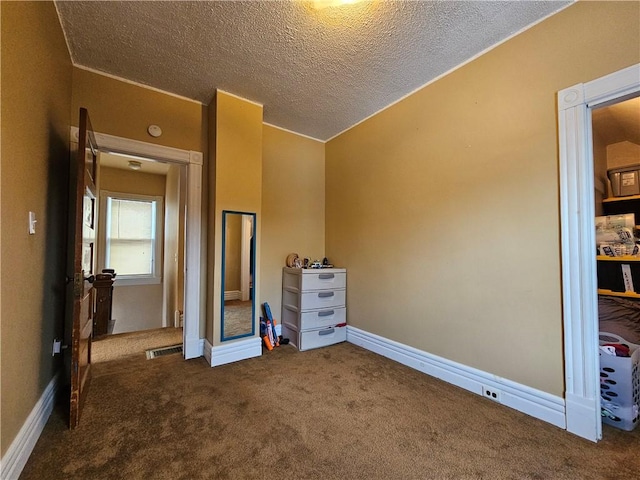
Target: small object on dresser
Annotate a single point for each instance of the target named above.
(292, 258)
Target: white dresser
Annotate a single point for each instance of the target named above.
(314, 312)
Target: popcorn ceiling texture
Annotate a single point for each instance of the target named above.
(317, 72)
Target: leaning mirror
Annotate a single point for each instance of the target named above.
(238, 267)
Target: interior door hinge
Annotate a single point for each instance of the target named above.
(78, 284)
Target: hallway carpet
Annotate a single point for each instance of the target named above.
(339, 412)
(113, 347)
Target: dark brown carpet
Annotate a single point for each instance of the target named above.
(334, 413)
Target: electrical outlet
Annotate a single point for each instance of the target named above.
(492, 394)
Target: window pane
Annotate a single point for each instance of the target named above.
(130, 236)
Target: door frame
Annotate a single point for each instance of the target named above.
(193, 345)
(577, 227)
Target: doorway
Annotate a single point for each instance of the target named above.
(577, 213)
(141, 237)
(194, 257)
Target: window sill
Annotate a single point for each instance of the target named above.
(130, 281)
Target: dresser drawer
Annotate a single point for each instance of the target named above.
(322, 299)
(322, 337)
(314, 319)
(323, 279)
(323, 318)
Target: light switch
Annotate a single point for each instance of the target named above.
(32, 223)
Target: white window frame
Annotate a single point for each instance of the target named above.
(125, 280)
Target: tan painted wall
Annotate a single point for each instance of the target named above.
(36, 106)
(126, 110)
(623, 154)
(293, 206)
(444, 207)
(129, 181)
(238, 183)
(135, 307)
(212, 264)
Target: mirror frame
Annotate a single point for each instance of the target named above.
(252, 272)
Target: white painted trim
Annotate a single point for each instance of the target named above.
(194, 256)
(613, 86)
(451, 70)
(240, 98)
(232, 295)
(536, 403)
(131, 82)
(579, 278)
(294, 133)
(113, 144)
(20, 449)
(233, 351)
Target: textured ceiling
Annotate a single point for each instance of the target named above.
(317, 72)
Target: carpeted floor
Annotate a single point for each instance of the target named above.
(339, 412)
(113, 347)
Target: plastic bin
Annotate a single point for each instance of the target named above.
(620, 385)
(625, 181)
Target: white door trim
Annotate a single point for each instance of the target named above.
(577, 214)
(192, 346)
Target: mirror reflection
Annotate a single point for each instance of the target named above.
(238, 266)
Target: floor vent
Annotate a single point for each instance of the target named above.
(160, 352)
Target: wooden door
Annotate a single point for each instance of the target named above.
(83, 230)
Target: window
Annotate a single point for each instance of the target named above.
(132, 237)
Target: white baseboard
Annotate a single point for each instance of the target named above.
(580, 413)
(193, 348)
(538, 404)
(233, 295)
(20, 449)
(232, 352)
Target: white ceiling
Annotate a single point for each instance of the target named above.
(317, 72)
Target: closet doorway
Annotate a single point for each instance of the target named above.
(579, 279)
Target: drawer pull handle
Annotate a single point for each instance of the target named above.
(325, 294)
(326, 276)
(326, 313)
(328, 331)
